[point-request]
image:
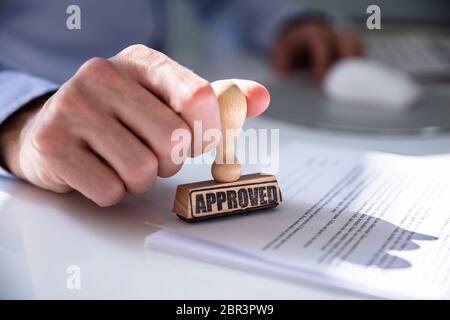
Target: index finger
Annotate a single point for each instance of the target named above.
(181, 89)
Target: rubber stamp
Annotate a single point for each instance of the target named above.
(229, 192)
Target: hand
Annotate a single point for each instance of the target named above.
(108, 129)
(314, 44)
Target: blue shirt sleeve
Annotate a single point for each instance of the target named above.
(17, 89)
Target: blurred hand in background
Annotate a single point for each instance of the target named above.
(312, 44)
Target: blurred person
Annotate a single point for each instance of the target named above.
(93, 109)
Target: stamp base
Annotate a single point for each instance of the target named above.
(210, 199)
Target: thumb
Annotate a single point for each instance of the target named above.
(256, 94)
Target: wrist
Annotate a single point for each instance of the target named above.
(11, 132)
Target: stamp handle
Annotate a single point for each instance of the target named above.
(233, 111)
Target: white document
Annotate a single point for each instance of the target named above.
(370, 222)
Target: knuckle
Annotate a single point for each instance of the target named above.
(94, 66)
(96, 69)
(198, 93)
(111, 195)
(138, 55)
(45, 140)
(66, 99)
(133, 49)
(138, 51)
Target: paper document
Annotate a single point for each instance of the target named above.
(370, 222)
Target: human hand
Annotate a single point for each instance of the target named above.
(108, 129)
(313, 44)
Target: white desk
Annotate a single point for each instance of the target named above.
(41, 234)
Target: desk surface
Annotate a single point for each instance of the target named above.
(41, 234)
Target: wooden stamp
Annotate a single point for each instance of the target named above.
(207, 199)
(229, 192)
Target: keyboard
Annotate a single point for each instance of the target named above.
(418, 55)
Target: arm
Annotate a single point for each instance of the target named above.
(18, 92)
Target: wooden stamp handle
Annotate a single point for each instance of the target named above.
(233, 111)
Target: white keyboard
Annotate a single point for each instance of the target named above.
(415, 54)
